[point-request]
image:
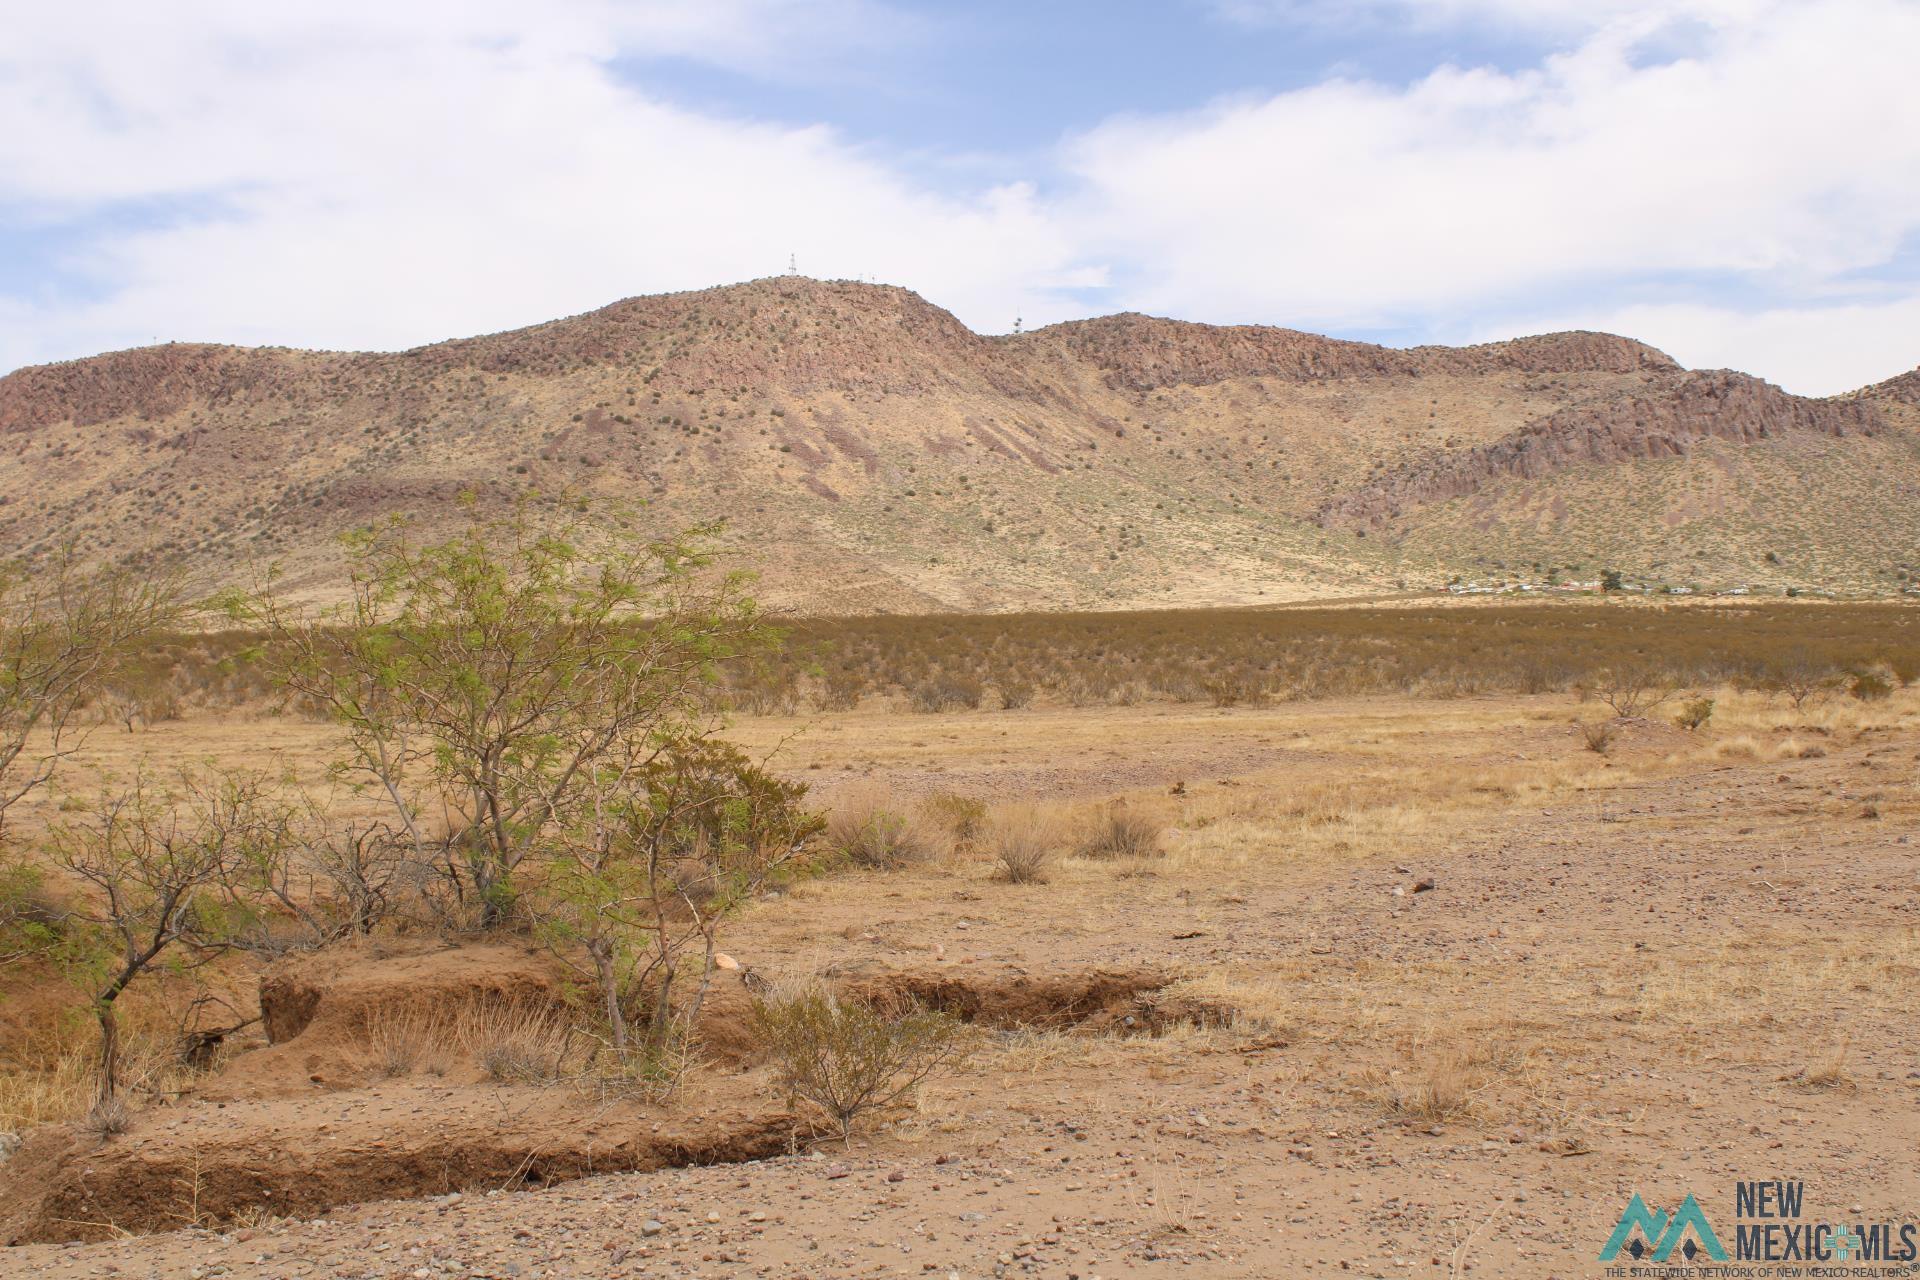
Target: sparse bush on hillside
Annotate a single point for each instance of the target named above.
(1234, 689)
(1695, 713)
(1015, 691)
(840, 688)
(1103, 659)
(1598, 735)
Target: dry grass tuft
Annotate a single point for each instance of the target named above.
(1022, 841)
(1829, 1071)
(109, 1118)
(407, 1039)
(1120, 832)
(1447, 1081)
(869, 828)
(517, 1043)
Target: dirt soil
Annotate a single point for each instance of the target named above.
(1418, 989)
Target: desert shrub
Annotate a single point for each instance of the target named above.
(765, 693)
(870, 829)
(1022, 841)
(1800, 673)
(1090, 659)
(1869, 686)
(1016, 692)
(1636, 687)
(651, 867)
(960, 816)
(67, 635)
(1597, 735)
(946, 692)
(1232, 689)
(840, 688)
(32, 918)
(848, 1059)
(164, 879)
(1694, 713)
(505, 672)
(1117, 830)
(1443, 1084)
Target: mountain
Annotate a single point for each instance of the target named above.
(871, 452)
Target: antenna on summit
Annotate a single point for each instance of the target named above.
(1016, 326)
(793, 265)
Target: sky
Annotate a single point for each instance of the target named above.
(1734, 181)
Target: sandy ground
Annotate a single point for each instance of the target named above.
(1693, 963)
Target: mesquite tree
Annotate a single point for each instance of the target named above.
(157, 864)
(66, 632)
(661, 850)
(487, 680)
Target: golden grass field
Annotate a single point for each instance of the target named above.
(1687, 960)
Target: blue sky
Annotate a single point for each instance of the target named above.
(1002, 82)
(1737, 181)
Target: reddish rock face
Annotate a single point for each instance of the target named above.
(1905, 389)
(1665, 421)
(870, 452)
(1141, 353)
(145, 383)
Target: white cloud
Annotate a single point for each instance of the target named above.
(377, 174)
(382, 175)
(1783, 158)
(1529, 15)
(1807, 350)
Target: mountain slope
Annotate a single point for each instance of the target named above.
(869, 451)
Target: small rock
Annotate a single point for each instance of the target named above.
(1423, 884)
(652, 1227)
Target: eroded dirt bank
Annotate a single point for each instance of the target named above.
(1690, 964)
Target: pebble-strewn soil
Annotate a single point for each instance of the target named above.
(1694, 966)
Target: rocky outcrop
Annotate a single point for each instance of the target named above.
(793, 333)
(870, 451)
(1141, 353)
(144, 383)
(1904, 389)
(1667, 420)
